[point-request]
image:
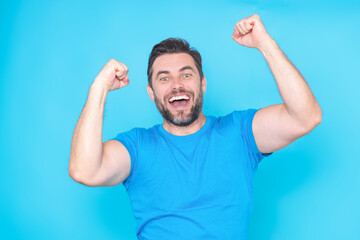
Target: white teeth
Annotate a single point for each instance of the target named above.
(179, 98)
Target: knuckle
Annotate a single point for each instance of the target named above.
(122, 66)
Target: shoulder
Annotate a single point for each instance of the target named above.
(138, 134)
(237, 118)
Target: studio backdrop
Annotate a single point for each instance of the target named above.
(51, 51)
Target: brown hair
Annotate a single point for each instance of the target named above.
(173, 45)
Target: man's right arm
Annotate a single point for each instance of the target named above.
(92, 162)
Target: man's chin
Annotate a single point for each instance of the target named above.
(183, 113)
(182, 119)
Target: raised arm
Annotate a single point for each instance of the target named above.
(277, 126)
(92, 162)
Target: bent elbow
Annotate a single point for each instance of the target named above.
(318, 121)
(81, 177)
(314, 121)
(75, 175)
(318, 118)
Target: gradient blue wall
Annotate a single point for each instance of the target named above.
(52, 50)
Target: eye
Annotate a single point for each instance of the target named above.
(187, 75)
(163, 79)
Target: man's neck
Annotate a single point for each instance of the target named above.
(187, 130)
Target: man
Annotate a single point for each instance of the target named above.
(192, 176)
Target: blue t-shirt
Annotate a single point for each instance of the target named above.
(198, 186)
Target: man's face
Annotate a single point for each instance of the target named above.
(176, 88)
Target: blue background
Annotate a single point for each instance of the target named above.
(52, 50)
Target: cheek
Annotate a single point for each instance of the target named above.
(159, 94)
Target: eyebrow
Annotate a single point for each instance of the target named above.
(162, 72)
(181, 69)
(186, 68)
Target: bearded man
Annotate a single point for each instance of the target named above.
(191, 177)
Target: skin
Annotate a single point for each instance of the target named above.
(173, 79)
(277, 126)
(94, 163)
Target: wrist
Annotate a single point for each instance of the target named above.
(99, 87)
(267, 45)
(98, 93)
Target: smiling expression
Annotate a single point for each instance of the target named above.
(177, 89)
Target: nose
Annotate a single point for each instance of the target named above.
(177, 84)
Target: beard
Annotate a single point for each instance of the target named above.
(181, 119)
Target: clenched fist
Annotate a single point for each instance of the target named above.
(250, 32)
(113, 75)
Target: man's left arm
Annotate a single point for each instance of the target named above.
(277, 126)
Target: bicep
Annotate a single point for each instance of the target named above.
(274, 128)
(115, 164)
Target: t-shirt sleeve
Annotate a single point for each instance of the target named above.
(129, 139)
(245, 120)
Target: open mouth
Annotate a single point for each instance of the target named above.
(179, 101)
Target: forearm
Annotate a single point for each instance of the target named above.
(295, 92)
(86, 145)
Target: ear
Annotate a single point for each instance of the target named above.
(150, 92)
(203, 85)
